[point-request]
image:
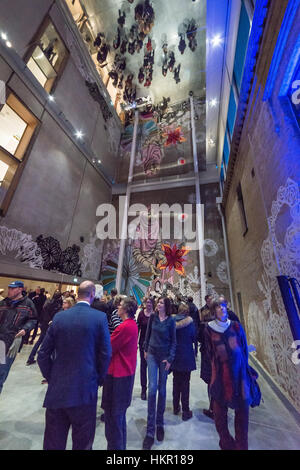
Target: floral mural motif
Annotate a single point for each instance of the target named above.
(91, 259)
(173, 136)
(174, 258)
(274, 338)
(55, 259)
(22, 244)
(135, 279)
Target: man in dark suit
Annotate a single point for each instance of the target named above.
(74, 358)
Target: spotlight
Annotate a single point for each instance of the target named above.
(79, 134)
(216, 40)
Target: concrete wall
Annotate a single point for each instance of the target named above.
(268, 169)
(60, 188)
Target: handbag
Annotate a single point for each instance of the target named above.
(255, 391)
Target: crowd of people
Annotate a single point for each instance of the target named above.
(91, 340)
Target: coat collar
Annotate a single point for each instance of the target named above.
(182, 321)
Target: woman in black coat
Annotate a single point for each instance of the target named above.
(184, 361)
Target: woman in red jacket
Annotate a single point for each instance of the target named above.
(118, 385)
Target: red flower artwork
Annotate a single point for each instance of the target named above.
(174, 257)
(173, 136)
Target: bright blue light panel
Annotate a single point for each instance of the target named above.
(232, 107)
(241, 46)
(294, 93)
(226, 150)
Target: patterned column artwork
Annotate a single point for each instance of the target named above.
(267, 323)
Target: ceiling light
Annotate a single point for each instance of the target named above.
(8, 43)
(99, 161)
(50, 98)
(79, 134)
(216, 40)
(4, 36)
(213, 103)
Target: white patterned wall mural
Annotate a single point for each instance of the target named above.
(267, 323)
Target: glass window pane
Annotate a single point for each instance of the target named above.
(231, 112)
(7, 170)
(12, 128)
(241, 46)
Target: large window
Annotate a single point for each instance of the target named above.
(241, 46)
(17, 126)
(47, 56)
(232, 108)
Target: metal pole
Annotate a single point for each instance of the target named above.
(126, 206)
(199, 215)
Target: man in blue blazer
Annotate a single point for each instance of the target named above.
(74, 358)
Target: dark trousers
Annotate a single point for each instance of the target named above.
(82, 419)
(115, 430)
(143, 370)
(241, 423)
(181, 390)
(36, 347)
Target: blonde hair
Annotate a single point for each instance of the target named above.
(70, 301)
(183, 307)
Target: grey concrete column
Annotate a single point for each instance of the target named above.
(126, 205)
(199, 211)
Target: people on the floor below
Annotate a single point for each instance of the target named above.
(142, 322)
(118, 385)
(231, 315)
(49, 311)
(160, 348)
(80, 339)
(194, 313)
(166, 330)
(114, 319)
(18, 316)
(38, 298)
(184, 361)
(229, 387)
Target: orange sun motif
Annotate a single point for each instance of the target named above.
(173, 136)
(174, 257)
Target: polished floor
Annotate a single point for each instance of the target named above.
(272, 427)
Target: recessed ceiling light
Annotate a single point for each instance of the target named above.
(79, 134)
(216, 40)
(50, 98)
(99, 161)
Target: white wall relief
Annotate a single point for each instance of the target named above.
(270, 331)
(21, 245)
